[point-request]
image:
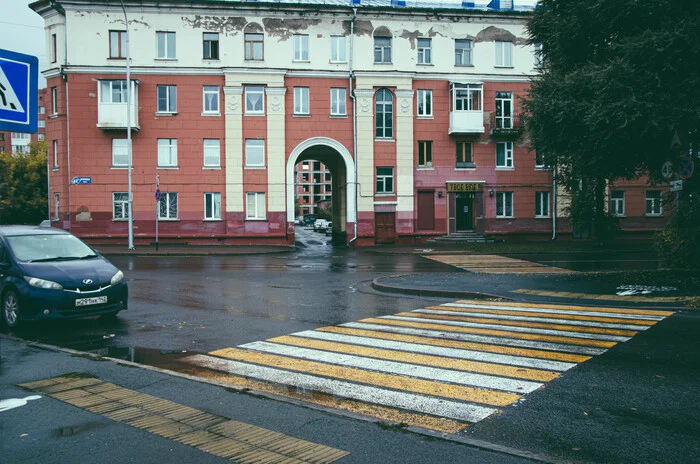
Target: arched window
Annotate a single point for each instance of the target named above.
(384, 115)
(253, 35)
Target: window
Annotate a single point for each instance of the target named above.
(210, 96)
(463, 52)
(425, 154)
(464, 155)
(654, 203)
(424, 52)
(542, 204)
(338, 102)
(212, 205)
(255, 206)
(467, 97)
(504, 54)
(54, 48)
(112, 91)
(338, 49)
(254, 99)
(385, 180)
(504, 204)
(384, 115)
(504, 154)
(539, 160)
(212, 153)
(167, 152)
(211, 46)
(120, 152)
(382, 49)
(301, 47)
(617, 202)
(504, 110)
(117, 44)
(39, 137)
(55, 154)
(165, 45)
(254, 153)
(120, 205)
(42, 110)
(56, 207)
(301, 100)
(168, 206)
(425, 102)
(54, 101)
(167, 98)
(41, 123)
(254, 47)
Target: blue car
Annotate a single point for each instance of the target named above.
(48, 273)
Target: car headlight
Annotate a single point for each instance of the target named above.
(41, 283)
(117, 277)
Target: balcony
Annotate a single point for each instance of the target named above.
(466, 122)
(111, 109)
(466, 108)
(506, 127)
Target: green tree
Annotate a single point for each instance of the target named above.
(617, 79)
(23, 188)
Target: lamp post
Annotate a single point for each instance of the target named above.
(128, 130)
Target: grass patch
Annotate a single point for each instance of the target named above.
(79, 375)
(392, 426)
(91, 357)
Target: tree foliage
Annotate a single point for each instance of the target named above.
(23, 188)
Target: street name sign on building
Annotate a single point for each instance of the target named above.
(82, 180)
(676, 185)
(19, 79)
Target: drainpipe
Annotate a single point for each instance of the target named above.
(554, 203)
(354, 119)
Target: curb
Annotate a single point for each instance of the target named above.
(377, 285)
(189, 253)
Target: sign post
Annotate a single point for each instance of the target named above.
(157, 206)
(19, 81)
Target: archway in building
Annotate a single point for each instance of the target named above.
(339, 162)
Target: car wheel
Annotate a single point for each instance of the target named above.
(10, 309)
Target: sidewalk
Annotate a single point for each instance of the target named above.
(190, 250)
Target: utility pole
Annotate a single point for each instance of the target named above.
(128, 129)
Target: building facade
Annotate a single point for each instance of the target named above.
(413, 111)
(313, 187)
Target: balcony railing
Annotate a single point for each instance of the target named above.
(506, 127)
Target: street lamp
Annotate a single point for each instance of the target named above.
(128, 130)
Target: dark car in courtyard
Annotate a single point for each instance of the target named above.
(48, 273)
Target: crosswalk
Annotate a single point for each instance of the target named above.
(441, 367)
(496, 264)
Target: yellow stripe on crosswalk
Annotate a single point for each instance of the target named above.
(549, 315)
(416, 358)
(533, 325)
(497, 333)
(460, 345)
(641, 312)
(351, 374)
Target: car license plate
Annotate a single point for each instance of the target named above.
(91, 301)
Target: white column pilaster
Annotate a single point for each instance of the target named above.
(234, 149)
(365, 150)
(404, 150)
(276, 150)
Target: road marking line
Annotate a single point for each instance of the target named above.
(641, 312)
(377, 379)
(493, 382)
(435, 354)
(395, 399)
(216, 435)
(593, 296)
(495, 264)
(559, 313)
(535, 318)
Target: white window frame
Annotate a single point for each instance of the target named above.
(211, 149)
(167, 151)
(55, 154)
(338, 49)
(54, 101)
(507, 155)
(212, 200)
(464, 52)
(617, 204)
(301, 47)
(258, 211)
(384, 50)
(42, 110)
(382, 179)
(504, 110)
(170, 98)
(254, 153)
(164, 53)
(107, 92)
(426, 146)
(301, 100)
(166, 204)
(424, 99)
(656, 204)
(56, 206)
(120, 149)
(123, 202)
(502, 202)
(425, 51)
(542, 201)
(383, 108)
(468, 96)
(41, 137)
(339, 101)
(209, 91)
(504, 54)
(251, 90)
(41, 124)
(253, 46)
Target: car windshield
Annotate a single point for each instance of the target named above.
(49, 247)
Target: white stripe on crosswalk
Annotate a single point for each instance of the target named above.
(547, 346)
(419, 403)
(606, 325)
(398, 368)
(544, 309)
(520, 361)
(563, 333)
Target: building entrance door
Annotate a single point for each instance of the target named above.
(464, 211)
(385, 227)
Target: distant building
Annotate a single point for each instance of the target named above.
(312, 185)
(19, 141)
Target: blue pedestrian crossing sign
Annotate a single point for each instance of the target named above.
(19, 79)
